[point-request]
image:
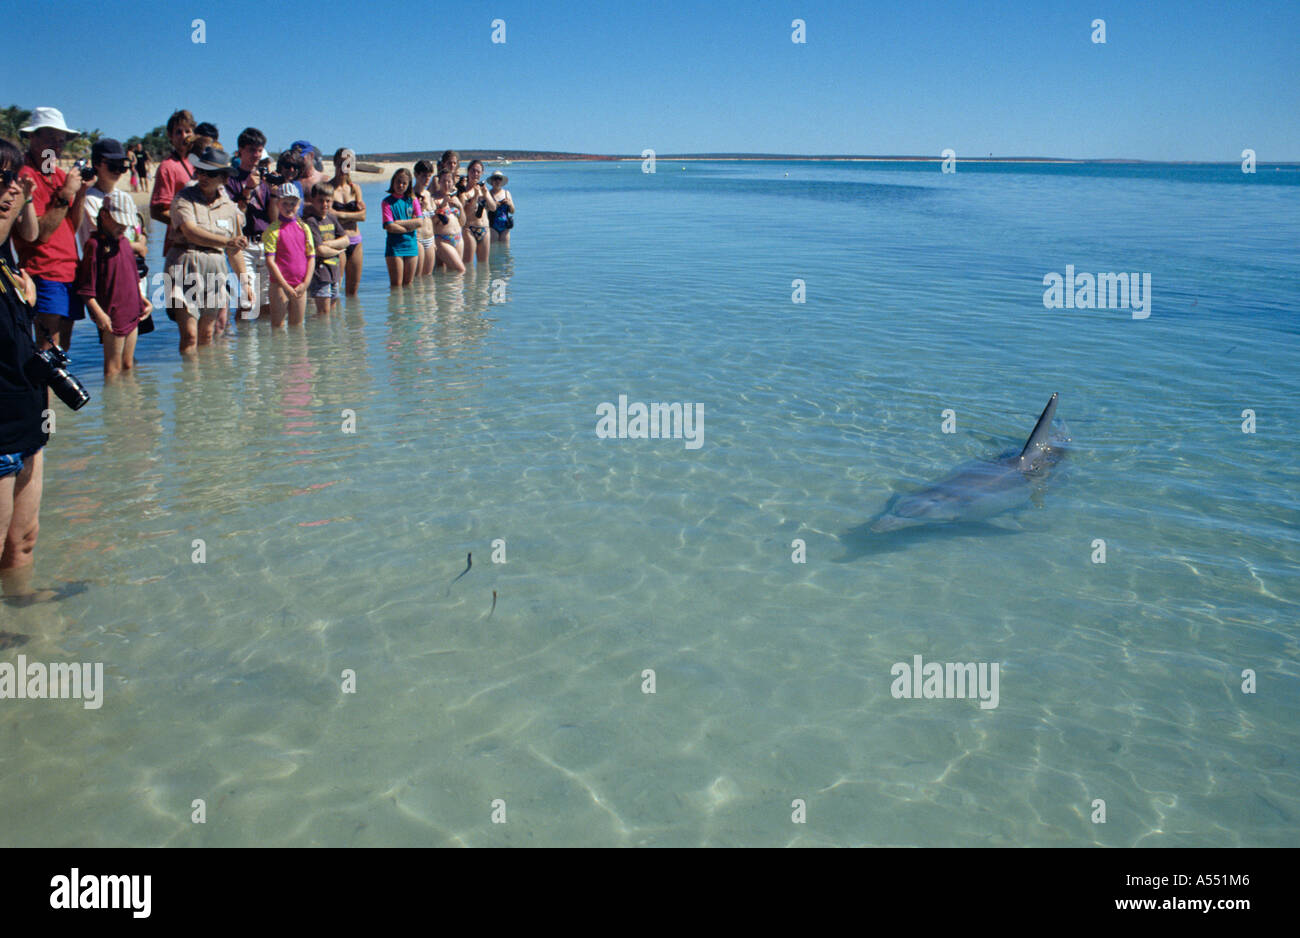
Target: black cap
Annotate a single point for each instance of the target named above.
(106, 148)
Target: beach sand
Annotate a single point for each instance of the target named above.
(142, 197)
(385, 174)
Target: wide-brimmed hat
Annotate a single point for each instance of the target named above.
(211, 159)
(46, 117)
(498, 175)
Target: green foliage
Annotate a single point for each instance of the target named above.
(79, 146)
(155, 143)
(11, 118)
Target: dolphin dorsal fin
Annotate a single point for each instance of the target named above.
(1037, 441)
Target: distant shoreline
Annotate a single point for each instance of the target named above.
(501, 157)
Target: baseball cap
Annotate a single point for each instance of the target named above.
(309, 152)
(287, 191)
(121, 207)
(106, 148)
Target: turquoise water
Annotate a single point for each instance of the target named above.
(475, 420)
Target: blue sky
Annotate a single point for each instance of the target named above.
(1174, 81)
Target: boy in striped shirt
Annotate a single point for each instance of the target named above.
(331, 241)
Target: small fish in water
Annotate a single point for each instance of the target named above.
(469, 562)
(494, 604)
(14, 639)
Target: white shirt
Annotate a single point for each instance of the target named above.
(93, 202)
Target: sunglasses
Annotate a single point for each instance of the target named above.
(7, 177)
(116, 166)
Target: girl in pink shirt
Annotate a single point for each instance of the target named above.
(290, 259)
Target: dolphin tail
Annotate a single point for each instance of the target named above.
(1038, 440)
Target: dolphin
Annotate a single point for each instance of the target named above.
(984, 488)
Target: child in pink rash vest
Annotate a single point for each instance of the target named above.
(290, 259)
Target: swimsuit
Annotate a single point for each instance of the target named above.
(354, 234)
(452, 239)
(478, 231)
(503, 219)
(425, 242)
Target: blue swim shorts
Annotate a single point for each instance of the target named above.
(57, 298)
(12, 463)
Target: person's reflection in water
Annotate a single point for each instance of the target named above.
(209, 450)
(478, 289)
(502, 269)
(338, 350)
(449, 293)
(133, 422)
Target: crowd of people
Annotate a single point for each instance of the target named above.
(240, 237)
(441, 219)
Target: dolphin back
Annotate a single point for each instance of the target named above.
(1038, 442)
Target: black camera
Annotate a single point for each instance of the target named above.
(482, 204)
(49, 367)
(87, 173)
(274, 179)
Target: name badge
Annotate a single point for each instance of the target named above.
(224, 224)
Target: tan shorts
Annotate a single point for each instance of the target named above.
(255, 264)
(199, 283)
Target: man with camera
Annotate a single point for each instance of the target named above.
(58, 198)
(25, 373)
(251, 195)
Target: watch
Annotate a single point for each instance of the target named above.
(59, 200)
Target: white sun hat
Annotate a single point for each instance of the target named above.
(46, 117)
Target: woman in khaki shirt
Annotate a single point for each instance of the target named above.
(206, 242)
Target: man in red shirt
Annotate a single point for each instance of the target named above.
(51, 259)
(174, 173)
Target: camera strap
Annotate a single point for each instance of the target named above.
(13, 279)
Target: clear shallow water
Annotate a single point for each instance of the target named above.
(476, 421)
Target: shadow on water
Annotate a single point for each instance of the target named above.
(861, 541)
(39, 597)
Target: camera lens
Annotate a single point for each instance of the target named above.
(47, 367)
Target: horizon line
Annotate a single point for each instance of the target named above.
(480, 152)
